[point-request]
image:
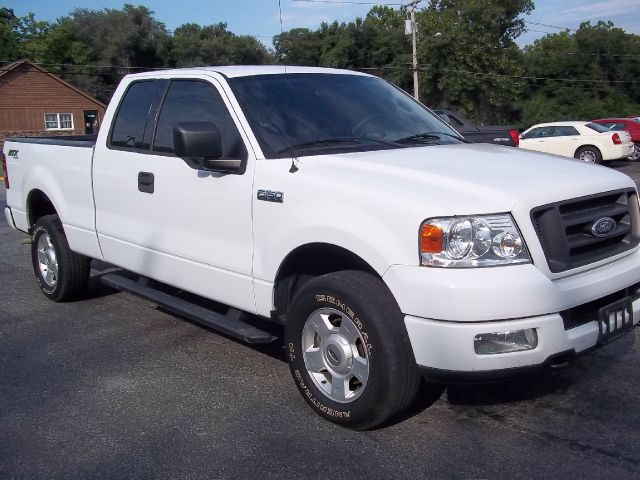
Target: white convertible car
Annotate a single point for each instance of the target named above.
(583, 140)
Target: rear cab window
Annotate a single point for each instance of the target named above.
(132, 126)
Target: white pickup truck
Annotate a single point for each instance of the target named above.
(331, 202)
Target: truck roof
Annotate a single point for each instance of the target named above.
(233, 71)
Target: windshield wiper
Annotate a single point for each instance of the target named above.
(428, 138)
(319, 143)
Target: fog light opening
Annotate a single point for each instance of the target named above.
(505, 342)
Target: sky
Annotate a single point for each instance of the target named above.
(261, 18)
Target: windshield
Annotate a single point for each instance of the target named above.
(301, 114)
(597, 127)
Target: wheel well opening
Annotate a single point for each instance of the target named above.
(38, 205)
(307, 262)
(586, 146)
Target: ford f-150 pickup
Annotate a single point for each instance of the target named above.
(331, 202)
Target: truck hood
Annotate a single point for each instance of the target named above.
(469, 178)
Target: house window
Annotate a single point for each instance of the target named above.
(58, 121)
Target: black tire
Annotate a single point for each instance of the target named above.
(72, 268)
(635, 156)
(393, 377)
(590, 152)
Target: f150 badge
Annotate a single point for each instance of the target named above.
(270, 196)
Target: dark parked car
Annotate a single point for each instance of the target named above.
(480, 134)
(631, 125)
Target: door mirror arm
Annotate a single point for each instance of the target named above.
(222, 165)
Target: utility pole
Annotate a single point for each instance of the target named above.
(413, 6)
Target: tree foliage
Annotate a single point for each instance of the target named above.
(193, 45)
(474, 64)
(596, 71)
(467, 52)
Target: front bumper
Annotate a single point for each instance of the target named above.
(449, 347)
(446, 308)
(503, 293)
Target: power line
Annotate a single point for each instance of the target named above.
(427, 67)
(528, 77)
(547, 25)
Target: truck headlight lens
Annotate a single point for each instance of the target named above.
(478, 241)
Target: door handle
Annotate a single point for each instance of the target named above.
(146, 182)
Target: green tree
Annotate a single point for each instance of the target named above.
(9, 36)
(299, 46)
(591, 73)
(193, 45)
(474, 64)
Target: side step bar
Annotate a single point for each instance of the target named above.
(223, 323)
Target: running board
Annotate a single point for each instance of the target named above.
(228, 324)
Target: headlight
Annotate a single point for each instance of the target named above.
(478, 241)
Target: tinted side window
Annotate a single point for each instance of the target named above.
(132, 124)
(539, 132)
(565, 131)
(190, 101)
(597, 127)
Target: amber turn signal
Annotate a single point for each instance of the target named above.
(430, 238)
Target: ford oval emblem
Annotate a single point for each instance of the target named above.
(603, 227)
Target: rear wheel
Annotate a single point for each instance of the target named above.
(61, 274)
(589, 155)
(635, 156)
(349, 351)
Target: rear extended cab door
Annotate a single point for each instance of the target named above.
(162, 216)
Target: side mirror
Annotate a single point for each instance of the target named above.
(201, 141)
(197, 140)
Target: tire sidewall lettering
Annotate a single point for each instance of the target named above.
(331, 412)
(323, 300)
(325, 407)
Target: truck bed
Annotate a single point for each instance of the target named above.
(60, 166)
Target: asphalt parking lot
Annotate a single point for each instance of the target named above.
(112, 387)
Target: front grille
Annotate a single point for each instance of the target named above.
(588, 312)
(564, 228)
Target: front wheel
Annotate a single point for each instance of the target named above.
(349, 351)
(589, 155)
(61, 273)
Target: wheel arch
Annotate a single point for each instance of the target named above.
(589, 145)
(309, 261)
(39, 204)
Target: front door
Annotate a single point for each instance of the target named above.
(90, 122)
(179, 224)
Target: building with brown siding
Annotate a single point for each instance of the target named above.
(34, 102)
